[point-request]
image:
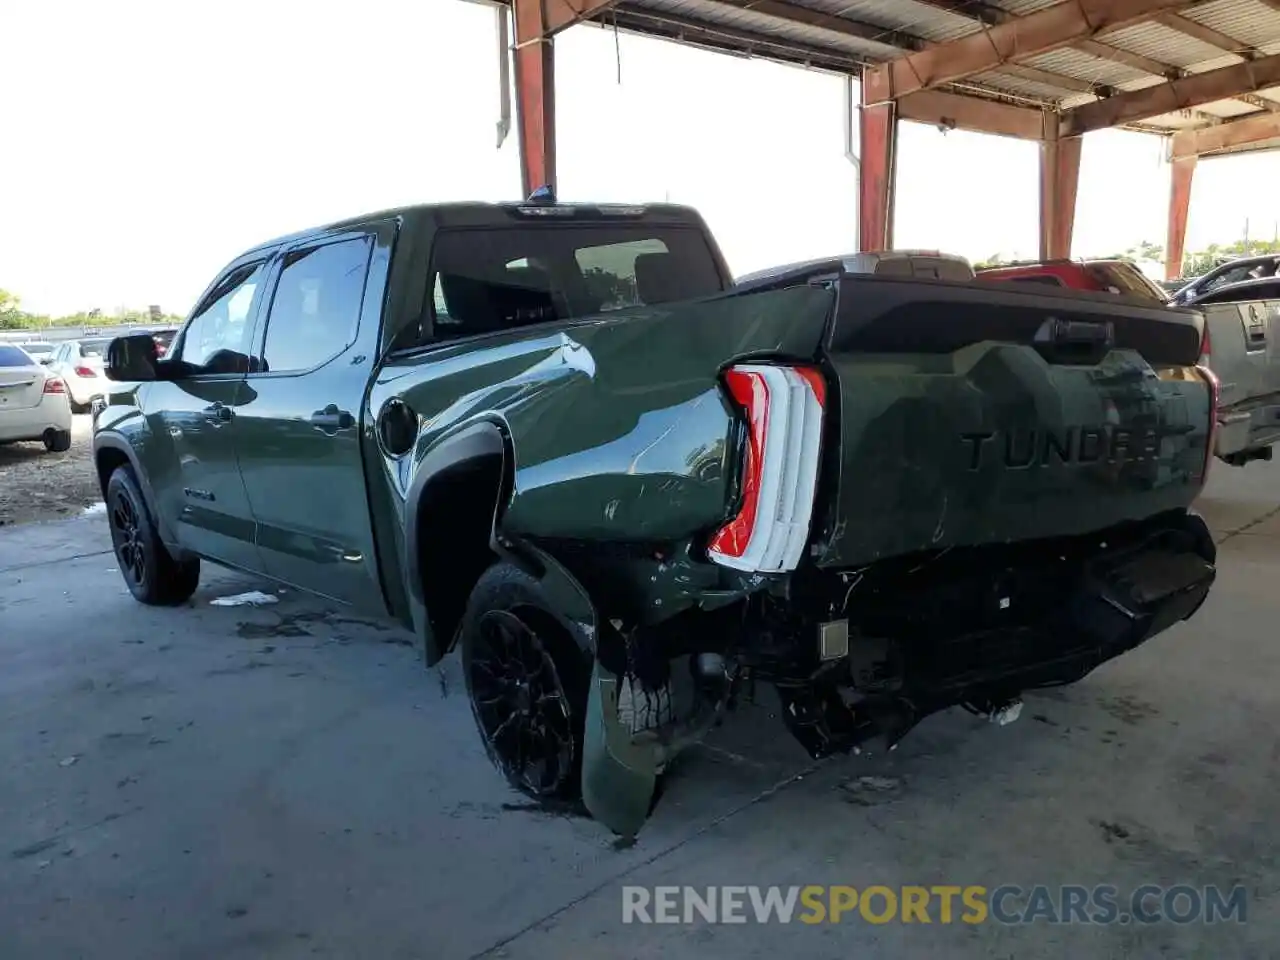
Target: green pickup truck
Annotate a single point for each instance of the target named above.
(561, 439)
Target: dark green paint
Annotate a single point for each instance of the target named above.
(614, 429)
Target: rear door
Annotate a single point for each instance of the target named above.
(298, 420)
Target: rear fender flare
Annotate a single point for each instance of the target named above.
(476, 442)
(119, 444)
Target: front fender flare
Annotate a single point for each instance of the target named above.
(120, 444)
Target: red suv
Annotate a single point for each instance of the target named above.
(1101, 276)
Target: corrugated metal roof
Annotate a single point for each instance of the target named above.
(1084, 66)
(842, 34)
(1248, 21)
(1162, 43)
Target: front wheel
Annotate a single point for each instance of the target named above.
(527, 678)
(152, 574)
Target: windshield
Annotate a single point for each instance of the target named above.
(14, 357)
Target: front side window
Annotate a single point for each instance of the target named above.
(217, 338)
(315, 312)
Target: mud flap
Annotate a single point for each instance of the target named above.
(618, 775)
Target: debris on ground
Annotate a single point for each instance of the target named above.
(253, 598)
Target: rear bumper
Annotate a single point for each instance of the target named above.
(52, 413)
(1247, 428)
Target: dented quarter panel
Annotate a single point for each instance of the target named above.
(607, 446)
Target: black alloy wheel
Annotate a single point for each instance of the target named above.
(127, 538)
(520, 703)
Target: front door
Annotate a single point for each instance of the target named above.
(299, 419)
(191, 451)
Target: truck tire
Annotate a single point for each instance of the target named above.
(152, 574)
(527, 678)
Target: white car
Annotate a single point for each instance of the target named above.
(33, 402)
(79, 363)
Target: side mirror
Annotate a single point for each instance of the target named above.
(132, 359)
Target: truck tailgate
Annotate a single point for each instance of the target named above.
(970, 415)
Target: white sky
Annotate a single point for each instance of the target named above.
(145, 142)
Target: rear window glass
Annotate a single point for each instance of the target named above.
(1128, 280)
(13, 357)
(489, 280)
(94, 348)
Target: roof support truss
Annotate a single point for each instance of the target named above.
(1050, 28)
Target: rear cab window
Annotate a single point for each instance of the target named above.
(491, 279)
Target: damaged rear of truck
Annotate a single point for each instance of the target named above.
(883, 497)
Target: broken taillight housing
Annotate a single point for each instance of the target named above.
(784, 408)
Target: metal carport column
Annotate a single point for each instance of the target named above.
(537, 22)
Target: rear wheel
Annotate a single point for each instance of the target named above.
(57, 441)
(152, 574)
(527, 678)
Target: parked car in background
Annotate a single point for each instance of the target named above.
(1235, 271)
(904, 264)
(33, 401)
(1100, 276)
(1242, 330)
(79, 363)
(40, 350)
(163, 339)
(562, 438)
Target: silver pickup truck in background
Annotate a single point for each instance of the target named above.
(1242, 347)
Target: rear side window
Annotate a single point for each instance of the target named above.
(315, 312)
(13, 357)
(494, 279)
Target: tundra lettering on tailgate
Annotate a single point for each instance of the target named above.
(1020, 449)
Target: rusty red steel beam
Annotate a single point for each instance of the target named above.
(1059, 180)
(543, 19)
(955, 111)
(1050, 28)
(1184, 171)
(1225, 136)
(1191, 91)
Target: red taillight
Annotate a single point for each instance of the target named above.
(86, 372)
(54, 385)
(784, 411)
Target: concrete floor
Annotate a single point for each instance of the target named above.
(286, 782)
